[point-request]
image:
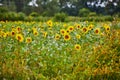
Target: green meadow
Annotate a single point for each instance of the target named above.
(59, 50)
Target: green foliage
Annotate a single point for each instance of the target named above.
(40, 18)
(12, 16)
(3, 10)
(48, 58)
(84, 12)
(60, 17)
(21, 16)
(92, 14)
(34, 14)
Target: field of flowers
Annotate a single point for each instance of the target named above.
(59, 51)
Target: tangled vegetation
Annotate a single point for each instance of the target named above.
(59, 51)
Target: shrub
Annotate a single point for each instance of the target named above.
(60, 17)
(92, 14)
(3, 12)
(84, 12)
(12, 16)
(21, 16)
(34, 14)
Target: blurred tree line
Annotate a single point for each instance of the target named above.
(70, 7)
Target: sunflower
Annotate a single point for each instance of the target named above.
(67, 37)
(70, 28)
(13, 33)
(107, 28)
(19, 37)
(77, 47)
(18, 29)
(97, 30)
(4, 34)
(57, 37)
(78, 36)
(90, 27)
(35, 33)
(84, 29)
(34, 29)
(44, 34)
(68, 31)
(8, 33)
(63, 31)
(49, 23)
(64, 25)
(28, 40)
(78, 26)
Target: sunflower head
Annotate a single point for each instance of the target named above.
(19, 37)
(63, 31)
(57, 37)
(49, 23)
(28, 40)
(77, 47)
(35, 33)
(90, 27)
(70, 28)
(78, 26)
(4, 34)
(78, 36)
(84, 29)
(97, 30)
(13, 33)
(67, 37)
(18, 29)
(45, 34)
(107, 28)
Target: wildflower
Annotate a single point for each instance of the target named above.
(67, 37)
(57, 36)
(77, 47)
(35, 33)
(90, 27)
(18, 29)
(44, 34)
(107, 28)
(7, 33)
(78, 26)
(84, 29)
(97, 30)
(13, 33)
(49, 23)
(13, 28)
(78, 36)
(68, 31)
(62, 31)
(34, 29)
(64, 25)
(19, 37)
(70, 28)
(28, 40)
(4, 34)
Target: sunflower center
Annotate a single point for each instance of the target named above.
(13, 33)
(96, 31)
(78, 26)
(84, 29)
(62, 31)
(66, 36)
(28, 40)
(19, 38)
(77, 47)
(108, 29)
(71, 28)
